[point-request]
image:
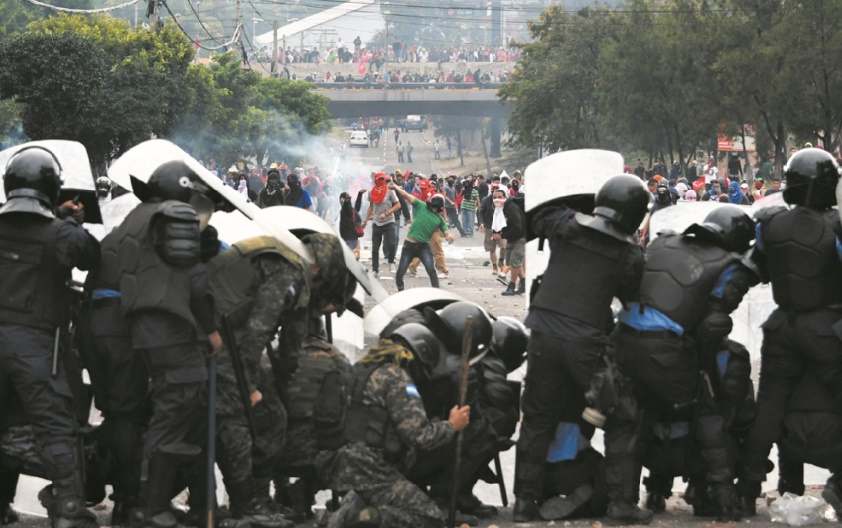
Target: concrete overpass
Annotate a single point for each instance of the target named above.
(426, 100)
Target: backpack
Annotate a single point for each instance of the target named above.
(331, 407)
(339, 416)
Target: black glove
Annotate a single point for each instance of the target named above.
(210, 245)
(715, 327)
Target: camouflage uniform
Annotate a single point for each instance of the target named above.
(364, 469)
(316, 358)
(277, 288)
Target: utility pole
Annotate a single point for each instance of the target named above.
(496, 42)
(275, 47)
(153, 13)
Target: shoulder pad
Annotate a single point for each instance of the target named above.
(747, 261)
(315, 343)
(768, 212)
(831, 216)
(178, 211)
(737, 349)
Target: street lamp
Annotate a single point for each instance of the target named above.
(254, 22)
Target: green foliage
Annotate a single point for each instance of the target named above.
(662, 76)
(247, 116)
(554, 85)
(100, 82)
(97, 81)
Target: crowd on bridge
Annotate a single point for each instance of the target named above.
(398, 52)
(398, 78)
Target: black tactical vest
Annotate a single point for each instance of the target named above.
(33, 285)
(680, 275)
(106, 276)
(234, 282)
(147, 282)
(804, 267)
(317, 360)
(368, 423)
(585, 272)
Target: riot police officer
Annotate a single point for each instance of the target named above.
(38, 252)
(797, 251)
(167, 300)
(119, 378)
(593, 259)
(257, 283)
(385, 425)
(674, 329)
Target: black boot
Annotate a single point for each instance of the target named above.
(622, 512)
(64, 499)
(790, 475)
(8, 488)
(748, 492)
(123, 438)
(658, 490)
(726, 504)
(510, 290)
(525, 510)
(159, 486)
(468, 503)
(521, 287)
(558, 508)
(696, 495)
(832, 493)
(246, 506)
(8, 515)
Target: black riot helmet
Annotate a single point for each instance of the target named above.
(172, 180)
(422, 342)
(811, 178)
(33, 172)
(619, 207)
(727, 226)
(436, 203)
(509, 341)
(103, 187)
(449, 325)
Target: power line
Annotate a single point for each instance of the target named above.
(225, 45)
(82, 11)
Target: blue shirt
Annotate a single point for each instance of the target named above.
(304, 202)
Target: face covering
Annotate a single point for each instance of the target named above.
(498, 221)
(242, 188)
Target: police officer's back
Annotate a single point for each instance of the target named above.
(797, 250)
(593, 259)
(37, 253)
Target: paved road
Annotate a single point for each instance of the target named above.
(471, 279)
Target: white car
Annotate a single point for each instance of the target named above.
(358, 138)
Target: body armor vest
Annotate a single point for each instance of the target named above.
(316, 361)
(235, 283)
(107, 275)
(585, 271)
(804, 267)
(33, 285)
(680, 275)
(368, 423)
(147, 282)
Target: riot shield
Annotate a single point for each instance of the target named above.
(141, 161)
(382, 313)
(571, 177)
(76, 175)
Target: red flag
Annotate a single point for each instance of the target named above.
(362, 67)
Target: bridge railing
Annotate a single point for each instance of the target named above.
(361, 84)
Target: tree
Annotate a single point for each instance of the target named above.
(554, 85)
(656, 82)
(97, 81)
(14, 16)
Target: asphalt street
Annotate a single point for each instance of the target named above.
(471, 278)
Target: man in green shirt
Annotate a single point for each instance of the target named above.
(426, 219)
